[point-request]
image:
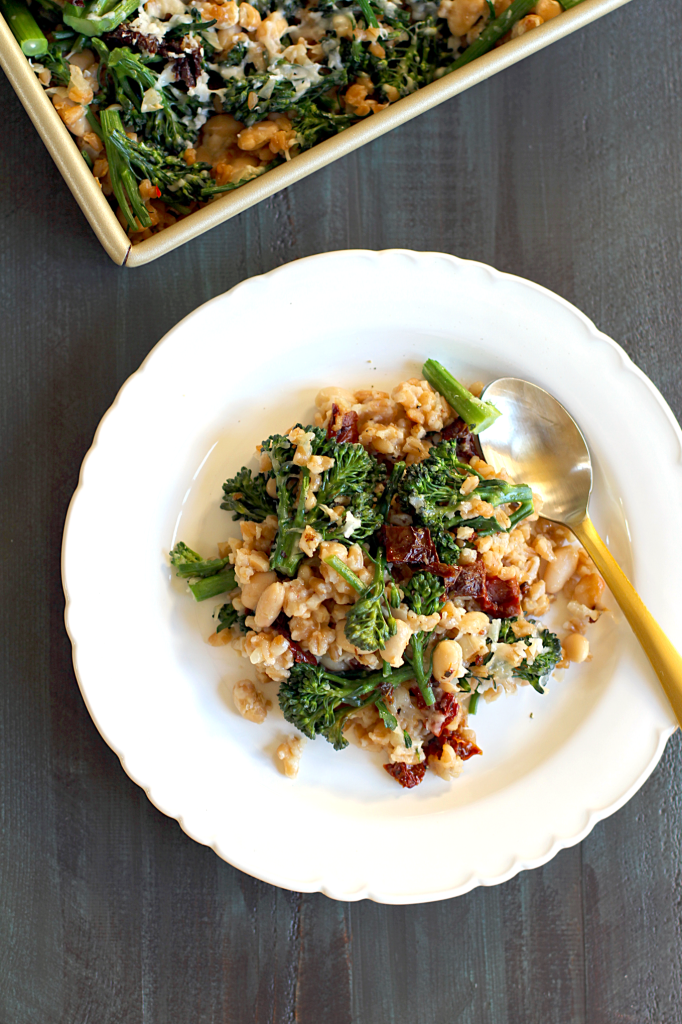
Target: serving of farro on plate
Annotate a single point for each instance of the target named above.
(167, 701)
(386, 577)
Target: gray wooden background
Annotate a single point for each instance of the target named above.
(564, 169)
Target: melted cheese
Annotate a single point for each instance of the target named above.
(351, 525)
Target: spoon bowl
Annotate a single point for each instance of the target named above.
(537, 441)
(553, 455)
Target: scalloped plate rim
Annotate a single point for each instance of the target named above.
(320, 883)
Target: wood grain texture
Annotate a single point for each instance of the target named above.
(566, 170)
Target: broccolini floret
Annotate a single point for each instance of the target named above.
(318, 702)
(129, 76)
(281, 92)
(313, 123)
(446, 544)
(123, 179)
(353, 477)
(55, 61)
(369, 622)
(536, 674)
(246, 496)
(209, 576)
(543, 664)
(190, 564)
(228, 616)
(431, 490)
(130, 162)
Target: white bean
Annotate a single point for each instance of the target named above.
(393, 651)
(576, 647)
(252, 590)
(559, 572)
(83, 60)
(447, 661)
(269, 605)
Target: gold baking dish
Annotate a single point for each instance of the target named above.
(101, 216)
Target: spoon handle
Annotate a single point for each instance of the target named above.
(666, 661)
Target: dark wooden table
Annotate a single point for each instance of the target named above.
(565, 169)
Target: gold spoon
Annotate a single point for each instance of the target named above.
(537, 441)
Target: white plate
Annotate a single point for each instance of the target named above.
(250, 362)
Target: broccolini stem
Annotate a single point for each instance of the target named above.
(123, 181)
(287, 552)
(370, 16)
(347, 574)
(102, 16)
(93, 122)
(493, 31)
(212, 586)
(100, 7)
(473, 702)
(390, 489)
(417, 662)
(371, 682)
(567, 4)
(476, 414)
(389, 719)
(215, 190)
(24, 28)
(209, 567)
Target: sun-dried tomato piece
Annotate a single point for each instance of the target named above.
(462, 747)
(344, 429)
(408, 775)
(186, 63)
(417, 698)
(388, 691)
(469, 581)
(466, 445)
(412, 545)
(501, 599)
(281, 626)
(448, 707)
(331, 425)
(447, 572)
(441, 714)
(301, 655)
(129, 37)
(434, 747)
(409, 544)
